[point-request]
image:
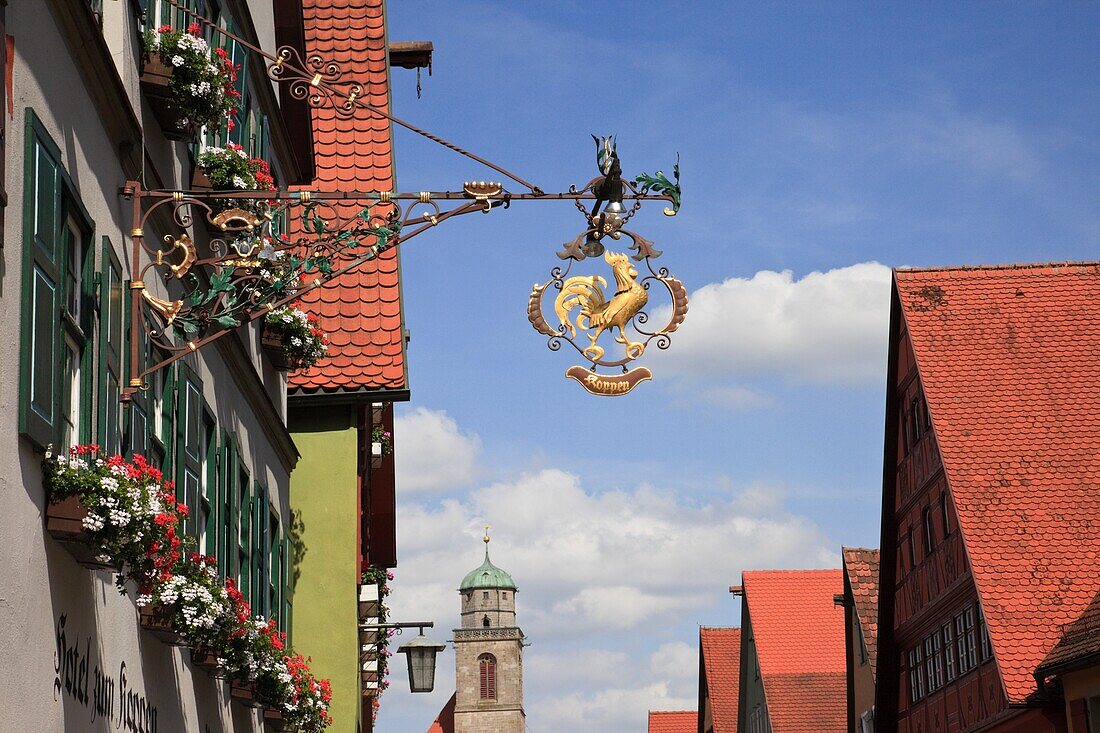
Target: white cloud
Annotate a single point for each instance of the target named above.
(604, 577)
(827, 327)
(431, 453)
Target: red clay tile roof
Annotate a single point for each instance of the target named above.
(1080, 642)
(861, 566)
(799, 635)
(673, 721)
(1009, 358)
(361, 310)
(720, 649)
(445, 721)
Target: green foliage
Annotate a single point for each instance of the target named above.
(658, 183)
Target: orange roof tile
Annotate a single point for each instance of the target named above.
(720, 649)
(1009, 358)
(799, 635)
(673, 721)
(861, 566)
(361, 310)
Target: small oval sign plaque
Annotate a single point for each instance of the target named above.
(608, 385)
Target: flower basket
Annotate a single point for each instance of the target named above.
(64, 522)
(199, 180)
(205, 659)
(274, 720)
(244, 692)
(274, 345)
(155, 78)
(157, 620)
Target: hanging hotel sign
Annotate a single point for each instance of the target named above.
(231, 252)
(587, 310)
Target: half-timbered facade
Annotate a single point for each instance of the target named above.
(988, 527)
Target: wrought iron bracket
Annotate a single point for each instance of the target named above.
(265, 249)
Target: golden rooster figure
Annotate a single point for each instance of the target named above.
(598, 314)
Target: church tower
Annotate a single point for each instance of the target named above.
(488, 653)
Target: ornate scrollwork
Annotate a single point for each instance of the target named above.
(585, 305)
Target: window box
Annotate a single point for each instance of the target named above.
(274, 720)
(64, 522)
(244, 692)
(155, 76)
(199, 180)
(157, 620)
(206, 659)
(274, 345)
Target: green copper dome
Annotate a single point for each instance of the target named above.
(487, 576)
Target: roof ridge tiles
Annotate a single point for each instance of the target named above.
(1003, 266)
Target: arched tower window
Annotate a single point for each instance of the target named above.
(485, 622)
(487, 668)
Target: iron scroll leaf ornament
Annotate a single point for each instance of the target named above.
(251, 266)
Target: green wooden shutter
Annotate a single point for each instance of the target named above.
(189, 422)
(287, 580)
(273, 547)
(229, 490)
(40, 385)
(244, 539)
(212, 478)
(259, 589)
(111, 348)
(166, 431)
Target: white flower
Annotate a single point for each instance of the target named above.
(92, 522)
(176, 60)
(238, 182)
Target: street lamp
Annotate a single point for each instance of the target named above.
(420, 653)
(420, 656)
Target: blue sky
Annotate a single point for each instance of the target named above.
(820, 144)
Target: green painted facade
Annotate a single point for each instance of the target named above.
(323, 499)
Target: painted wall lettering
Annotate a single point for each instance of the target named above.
(128, 710)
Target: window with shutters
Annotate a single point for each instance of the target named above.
(966, 654)
(260, 551)
(208, 505)
(55, 350)
(274, 546)
(227, 529)
(947, 633)
(243, 538)
(916, 673)
(487, 671)
(112, 341)
(190, 448)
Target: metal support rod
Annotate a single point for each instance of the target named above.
(284, 195)
(352, 100)
(399, 625)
